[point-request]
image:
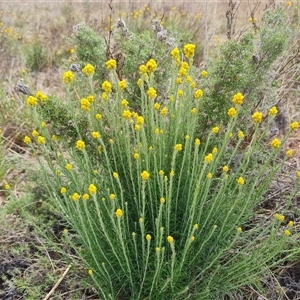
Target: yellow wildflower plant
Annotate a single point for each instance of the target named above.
(178, 147)
(170, 239)
(63, 190)
(27, 140)
(151, 66)
(241, 181)
(151, 93)
(208, 158)
(204, 73)
(215, 130)
(41, 140)
(92, 189)
(75, 197)
(96, 135)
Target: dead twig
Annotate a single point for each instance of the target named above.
(57, 283)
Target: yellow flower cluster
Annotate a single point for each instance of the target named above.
(111, 64)
(204, 73)
(145, 175)
(176, 54)
(122, 84)
(294, 125)
(241, 181)
(152, 93)
(178, 147)
(80, 145)
(238, 99)
(189, 50)
(183, 69)
(92, 189)
(273, 111)
(106, 87)
(68, 77)
(39, 95)
(232, 112)
(32, 101)
(275, 143)
(279, 217)
(151, 66)
(119, 213)
(88, 70)
(85, 104)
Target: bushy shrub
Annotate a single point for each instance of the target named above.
(163, 204)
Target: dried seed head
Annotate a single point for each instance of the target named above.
(23, 88)
(75, 67)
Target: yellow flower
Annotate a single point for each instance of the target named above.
(209, 175)
(150, 148)
(43, 125)
(179, 80)
(175, 54)
(90, 272)
(124, 103)
(41, 96)
(215, 150)
(32, 101)
(91, 98)
(69, 167)
(197, 142)
(156, 106)
(192, 238)
(257, 117)
(85, 104)
(276, 143)
(143, 69)
(137, 127)
(215, 130)
(273, 111)
(7, 186)
(111, 64)
(164, 111)
(40, 140)
(196, 226)
(111, 141)
(294, 125)
(34, 133)
(88, 70)
(241, 181)
(92, 189)
(204, 73)
(68, 77)
(139, 82)
(86, 197)
(231, 112)
(180, 93)
(96, 135)
(187, 137)
(75, 197)
(298, 174)
(27, 140)
(161, 172)
(178, 147)
(98, 116)
(106, 86)
(189, 50)
(122, 84)
(145, 175)
(151, 65)
(148, 237)
(239, 229)
(136, 155)
(289, 153)
(104, 96)
(238, 98)
(127, 114)
(225, 169)
(80, 145)
(172, 173)
(208, 158)
(63, 190)
(170, 239)
(291, 224)
(162, 200)
(151, 93)
(157, 249)
(119, 213)
(193, 111)
(288, 3)
(241, 134)
(140, 120)
(287, 232)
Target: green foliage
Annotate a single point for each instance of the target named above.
(36, 56)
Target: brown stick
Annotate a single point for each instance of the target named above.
(57, 283)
